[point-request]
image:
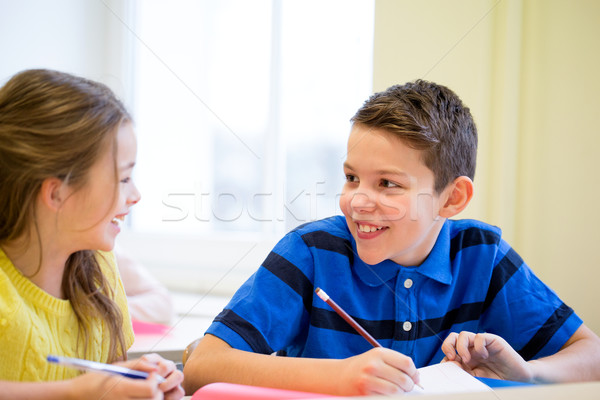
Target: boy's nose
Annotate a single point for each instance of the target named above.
(362, 201)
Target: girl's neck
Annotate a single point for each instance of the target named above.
(41, 261)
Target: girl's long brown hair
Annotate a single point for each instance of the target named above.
(54, 124)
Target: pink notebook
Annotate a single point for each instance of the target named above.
(232, 391)
(148, 328)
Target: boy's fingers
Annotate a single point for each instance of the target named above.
(463, 345)
(389, 383)
(400, 362)
(480, 345)
(403, 371)
(449, 346)
(401, 379)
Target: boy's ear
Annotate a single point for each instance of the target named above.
(460, 193)
(52, 193)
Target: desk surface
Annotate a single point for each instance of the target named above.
(173, 341)
(574, 391)
(195, 312)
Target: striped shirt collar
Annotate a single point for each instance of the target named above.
(436, 266)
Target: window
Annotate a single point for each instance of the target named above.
(242, 111)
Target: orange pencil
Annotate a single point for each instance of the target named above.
(321, 293)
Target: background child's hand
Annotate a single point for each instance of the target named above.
(378, 371)
(486, 355)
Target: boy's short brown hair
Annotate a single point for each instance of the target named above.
(427, 117)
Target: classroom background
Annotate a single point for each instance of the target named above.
(270, 143)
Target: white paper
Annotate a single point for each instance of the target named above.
(447, 378)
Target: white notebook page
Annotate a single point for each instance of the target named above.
(447, 378)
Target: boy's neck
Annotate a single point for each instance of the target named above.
(419, 253)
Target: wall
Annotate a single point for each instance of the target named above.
(80, 37)
(529, 72)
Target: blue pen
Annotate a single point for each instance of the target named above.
(94, 366)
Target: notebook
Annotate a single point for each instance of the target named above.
(440, 378)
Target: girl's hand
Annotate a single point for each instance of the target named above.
(92, 385)
(486, 355)
(108, 387)
(378, 371)
(153, 363)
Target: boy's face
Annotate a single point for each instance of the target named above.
(388, 199)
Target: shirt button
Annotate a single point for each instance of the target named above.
(407, 326)
(408, 283)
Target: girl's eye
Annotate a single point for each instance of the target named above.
(126, 180)
(351, 178)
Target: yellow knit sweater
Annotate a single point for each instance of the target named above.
(34, 324)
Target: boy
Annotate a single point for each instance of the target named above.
(396, 263)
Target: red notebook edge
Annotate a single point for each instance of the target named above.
(234, 391)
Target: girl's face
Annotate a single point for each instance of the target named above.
(91, 217)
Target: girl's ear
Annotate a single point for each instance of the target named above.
(460, 193)
(53, 193)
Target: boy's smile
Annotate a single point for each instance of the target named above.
(389, 201)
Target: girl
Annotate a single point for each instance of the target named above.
(67, 150)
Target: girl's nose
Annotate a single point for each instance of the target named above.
(134, 196)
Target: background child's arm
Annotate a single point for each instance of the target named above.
(379, 370)
(487, 355)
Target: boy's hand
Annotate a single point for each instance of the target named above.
(378, 371)
(486, 355)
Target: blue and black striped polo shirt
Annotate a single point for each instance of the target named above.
(472, 280)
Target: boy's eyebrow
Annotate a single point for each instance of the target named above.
(392, 171)
(384, 171)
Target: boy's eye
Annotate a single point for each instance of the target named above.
(388, 184)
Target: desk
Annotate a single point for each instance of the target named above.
(170, 344)
(195, 312)
(574, 391)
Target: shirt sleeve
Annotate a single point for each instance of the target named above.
(270, 311)
(524, 311)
